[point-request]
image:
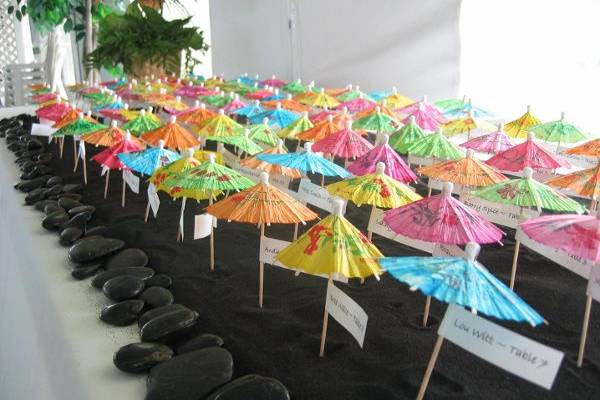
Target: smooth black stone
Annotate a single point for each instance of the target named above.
(130, 257)
(72, 196)
(254, 387)
(37, 171)
(14, 146)
(50, 208)
(138, 272)
(166, 326)
(53, 220)
(45, 158)
(140, 357)
(54, 190)
(26, 164)
(82, 271)
(68, 203)
(160, 280)
(155, 312)
(28, 185)
(200, 342)
(190, 376)
(87, 250)
(96, 230)
(35, 195)
(82, 209)
(69, 235)
(78, 221)
(123, 313)
(55, 180)
(157, 297)
(34, 144)
(41, 205)
(123, 288)
(73, 188)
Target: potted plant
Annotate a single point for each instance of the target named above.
(142, 42)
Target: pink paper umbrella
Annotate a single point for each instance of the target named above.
(234, 105)
(396, 167)
(526, 154)
(346, 143)
(491, 143)
(322, 115)
(578, 235)
(273, 81)
(427, 116)
(109, 159)
(441, 219)
(357, 105)
(55, 111)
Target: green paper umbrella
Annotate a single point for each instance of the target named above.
(435, 146)
(353, 93)
(141, 124)
(406, 136)
(219, 125)
(242, 142)
(217, 100)
(295, 87)
(450, 104)
(263, 133)
(558, 132)
(79, 126)
(376, 122)
(97, 97)
(298, 126)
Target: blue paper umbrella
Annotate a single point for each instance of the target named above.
(250, 110)
(464, 109)
(306, 161)
(464, 282)
(277, 116)
(149, 160)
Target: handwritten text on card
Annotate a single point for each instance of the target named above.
(347, 312)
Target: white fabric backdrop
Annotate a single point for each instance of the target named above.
(411, 44)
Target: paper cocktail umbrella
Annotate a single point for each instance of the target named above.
(249, 110)
(174, 106)
(71, 115)
(527, 154)
(307, 161)
(173, 135)
(79, 126)
(590, 149)
(352, 93)
(259, 94)
(300, 125)
(53, 112)
(321, 130)
(357, 105)
(520, 127)
(43, 97)
(491, 143)
(288, 103)
(144, 122)
(558, 132)
(219, 125)
(451, 103)
(427, 116)
(527, 192)
(396, 101)
(109, 160)
(273, 81)
(234, 105)
(382, 152)
(107, 137)
(435, 146)
(147, 161)
(578, 235)
(466, 172)
(376, 122)
(464, 109)
(584, 183)
(461, 281)
(467, 124)
(345, 143)
(272, 169)
(263, 133)
(332, 246)
(277, 117)
(320, 99)
(295, 87)
(262, 204)
(242, 142)
(195, 115)
(406, 136)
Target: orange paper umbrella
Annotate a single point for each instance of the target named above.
(272, 169)
(584, 183)
(196, 115)
(174, 136)
(467, 172)
(71, 115)
(109, 136)
(320, 99)
(262, 204)
(590, 148)
(321, 130)
(288, 104)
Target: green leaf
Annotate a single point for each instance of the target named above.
(10, 9)
(68, 27)
(24, 9)
(18, 15)
(79, 36)
(79, 27)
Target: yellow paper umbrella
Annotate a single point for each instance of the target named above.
(262, 204)
(396, 101)
(520, 126)
(466, 172)
(218, 126)
(333, 246)
(467, 124)
(377, 190)
(320, 99)
(159, 177)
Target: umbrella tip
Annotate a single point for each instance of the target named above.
(80, 115)
(500, 126)
(212, 158)
(412, 120)
(161, 144)
(308, 147)
(113, 124)
(439, 131)
(127, 135)
(247, 133)
(338, 207)
(424, 100)
(196, 103)
(528, 108)
(471, 251)
(278, 105)
(304, 114)
(172, 119)
(530, 136)
(190, 153)
(470, 153)
(378, 109)
(264, 178)
(447, 188)
(280, 143)
(527, 173)
(380, 167)
(385, 138)
(562, 116)
(221, 111)
(322, 91)
(349, 124)
(142, 112)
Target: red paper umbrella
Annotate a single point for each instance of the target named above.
(345, 143)
(109, 158)
(526, 154)
(53, 112)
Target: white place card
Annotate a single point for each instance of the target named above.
(81, 152)
(202, 225)
(153, 199)
(501, 214)
(377, 225)
(131, 180)
(347, 312)
(447, 250)
(510, 351)
(438, 185)
(279, 181)
(316, 195)
(42, 130)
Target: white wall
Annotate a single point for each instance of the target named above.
(411, 44)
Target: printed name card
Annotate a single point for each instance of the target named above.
(279, 181)
(269, 248)
(316, 195)
(512, 352)
(202, 225)
(42, 130)
(420, 161)
(347, 312)
(153, 199)
(81, 151)
(447, 250)
(593, 288)
(438, 185)
(132, 181)
(501, 214)
(574, 264)
(377, 225)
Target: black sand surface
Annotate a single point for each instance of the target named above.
(282, 340)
